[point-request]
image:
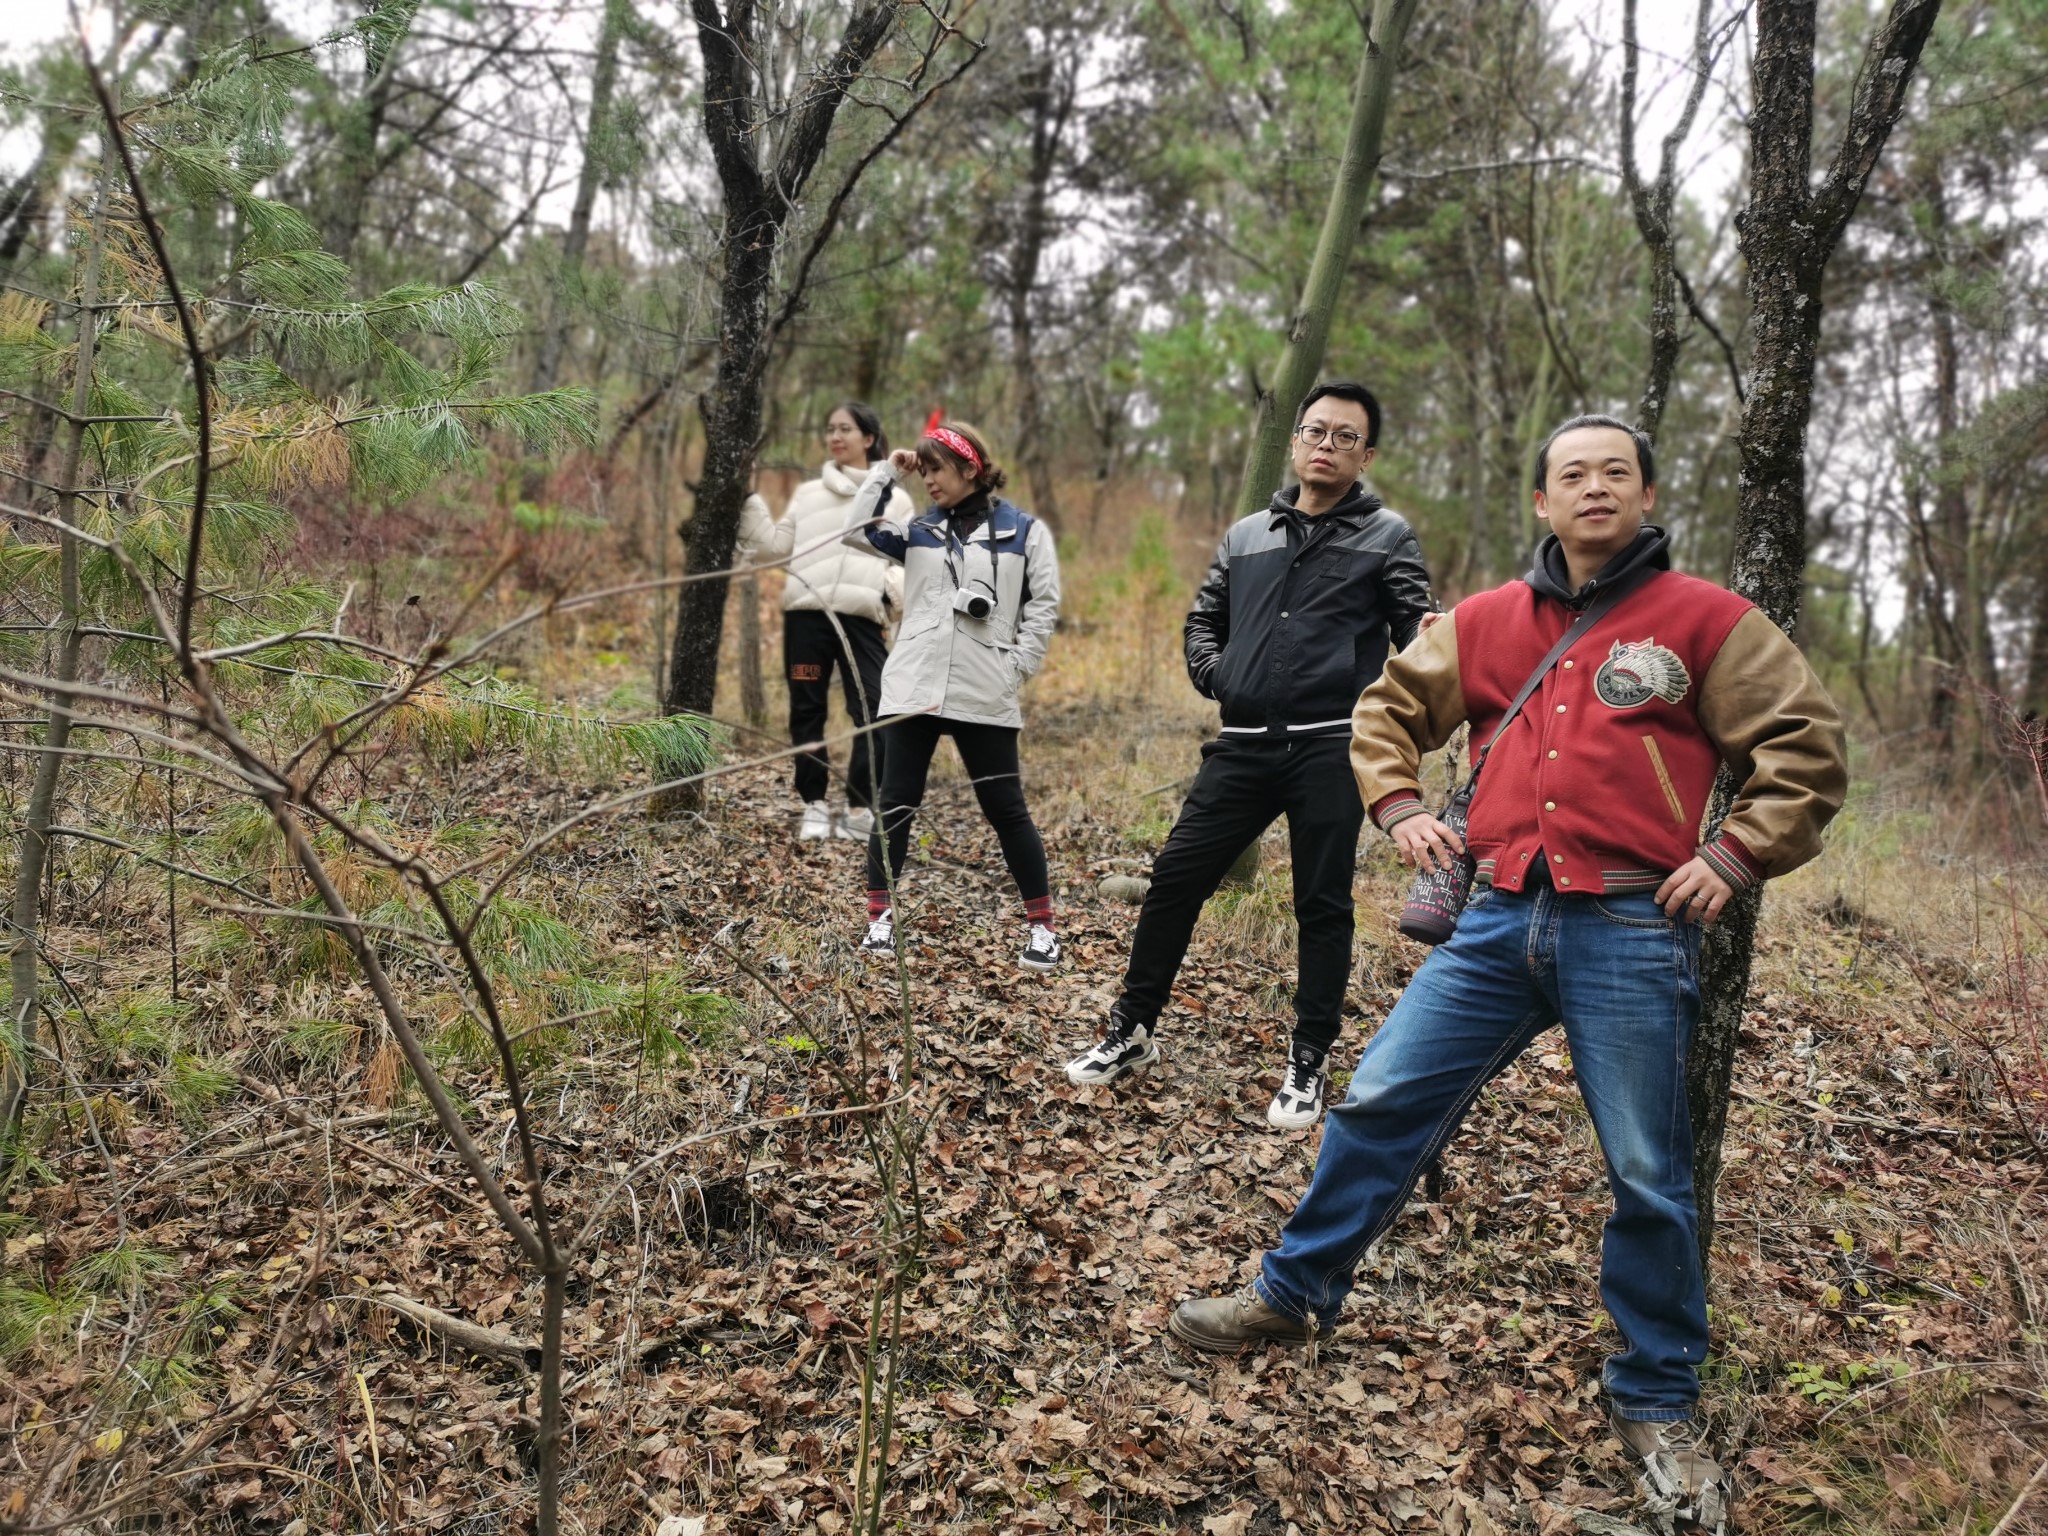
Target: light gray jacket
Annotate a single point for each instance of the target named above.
(947, 662)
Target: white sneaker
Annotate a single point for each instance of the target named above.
(817, 823)
(1299, 1103)
(856, 825)
(881, 939)
(1042, 950)
(1124, 1047)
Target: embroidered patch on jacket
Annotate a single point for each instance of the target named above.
(1637, 671)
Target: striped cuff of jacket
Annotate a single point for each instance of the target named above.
(1726, 856)
(1396, 808)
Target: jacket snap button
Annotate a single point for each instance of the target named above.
(1567, 666)
(1564, 879)
(1553, 752)
(1560, 709)
(1283, 615)
(1550, 805)
(1557, 858)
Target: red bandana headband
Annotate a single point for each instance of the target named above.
(947, 438)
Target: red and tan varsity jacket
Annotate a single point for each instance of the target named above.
(1603, 778)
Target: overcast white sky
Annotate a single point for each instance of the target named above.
(1713, 156)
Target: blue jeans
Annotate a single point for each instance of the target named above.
(1625, 981)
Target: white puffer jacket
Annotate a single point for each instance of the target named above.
(826, 575)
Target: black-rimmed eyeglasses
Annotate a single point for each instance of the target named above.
(1343, 439)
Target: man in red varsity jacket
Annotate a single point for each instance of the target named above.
(1592, 886)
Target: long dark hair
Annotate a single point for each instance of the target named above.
(869, 425)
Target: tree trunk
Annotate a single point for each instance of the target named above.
(1309, 335)
(1051, 99)
(1653, 204)
(2036, 699)
(758, 201)
(362, 133)
(731, 410)
(21, 209)
(1789, 231)
(753, 688)
(547, 365)
(1948, 537)
(1769, 563)
(32, 852)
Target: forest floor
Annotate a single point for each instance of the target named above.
(1880, 1313)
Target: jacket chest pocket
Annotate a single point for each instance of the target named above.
(1331, 564)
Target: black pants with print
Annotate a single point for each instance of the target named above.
(989, 753)
(1243, 785)
(810, 650)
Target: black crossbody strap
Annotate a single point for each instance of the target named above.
(1593, 613)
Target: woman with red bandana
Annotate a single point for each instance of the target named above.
(981, 593)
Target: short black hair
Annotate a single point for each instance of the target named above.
(1344, 389)
(869, 424)
(1645, 459)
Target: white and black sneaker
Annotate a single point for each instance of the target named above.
(1042, 950)
(881, 939)
(1127, 1047)
(856, 824)
(817, 823)
(1299, 1102)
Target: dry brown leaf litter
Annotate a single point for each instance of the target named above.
(715, 1339)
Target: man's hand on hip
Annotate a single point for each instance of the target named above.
(1692, 892)
(1426, 843)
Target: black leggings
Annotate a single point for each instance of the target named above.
(989, 753)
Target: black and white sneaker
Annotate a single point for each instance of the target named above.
(1127, 1047)
(881, 939)
(1041, 950)
(1299, 1102)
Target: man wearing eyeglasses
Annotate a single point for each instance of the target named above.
(1292, 623)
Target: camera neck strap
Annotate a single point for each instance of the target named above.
(1591, 614)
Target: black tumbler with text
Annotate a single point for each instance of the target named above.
(1437, 896)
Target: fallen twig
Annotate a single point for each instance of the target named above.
(472, 1338)
(2011, 1515)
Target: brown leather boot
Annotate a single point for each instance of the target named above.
(1680, 1477)
(1228, 1322)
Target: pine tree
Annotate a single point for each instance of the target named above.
(413, 397)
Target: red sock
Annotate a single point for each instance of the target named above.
(878, 903)
(1039, 910)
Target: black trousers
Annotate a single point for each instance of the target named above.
(989, 753)
(810, 650)
(1242, 786)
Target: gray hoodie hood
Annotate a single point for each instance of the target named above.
(1551, 575)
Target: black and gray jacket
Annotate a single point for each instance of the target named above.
(1293, 620)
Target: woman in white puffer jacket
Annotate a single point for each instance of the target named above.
(829, 581)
